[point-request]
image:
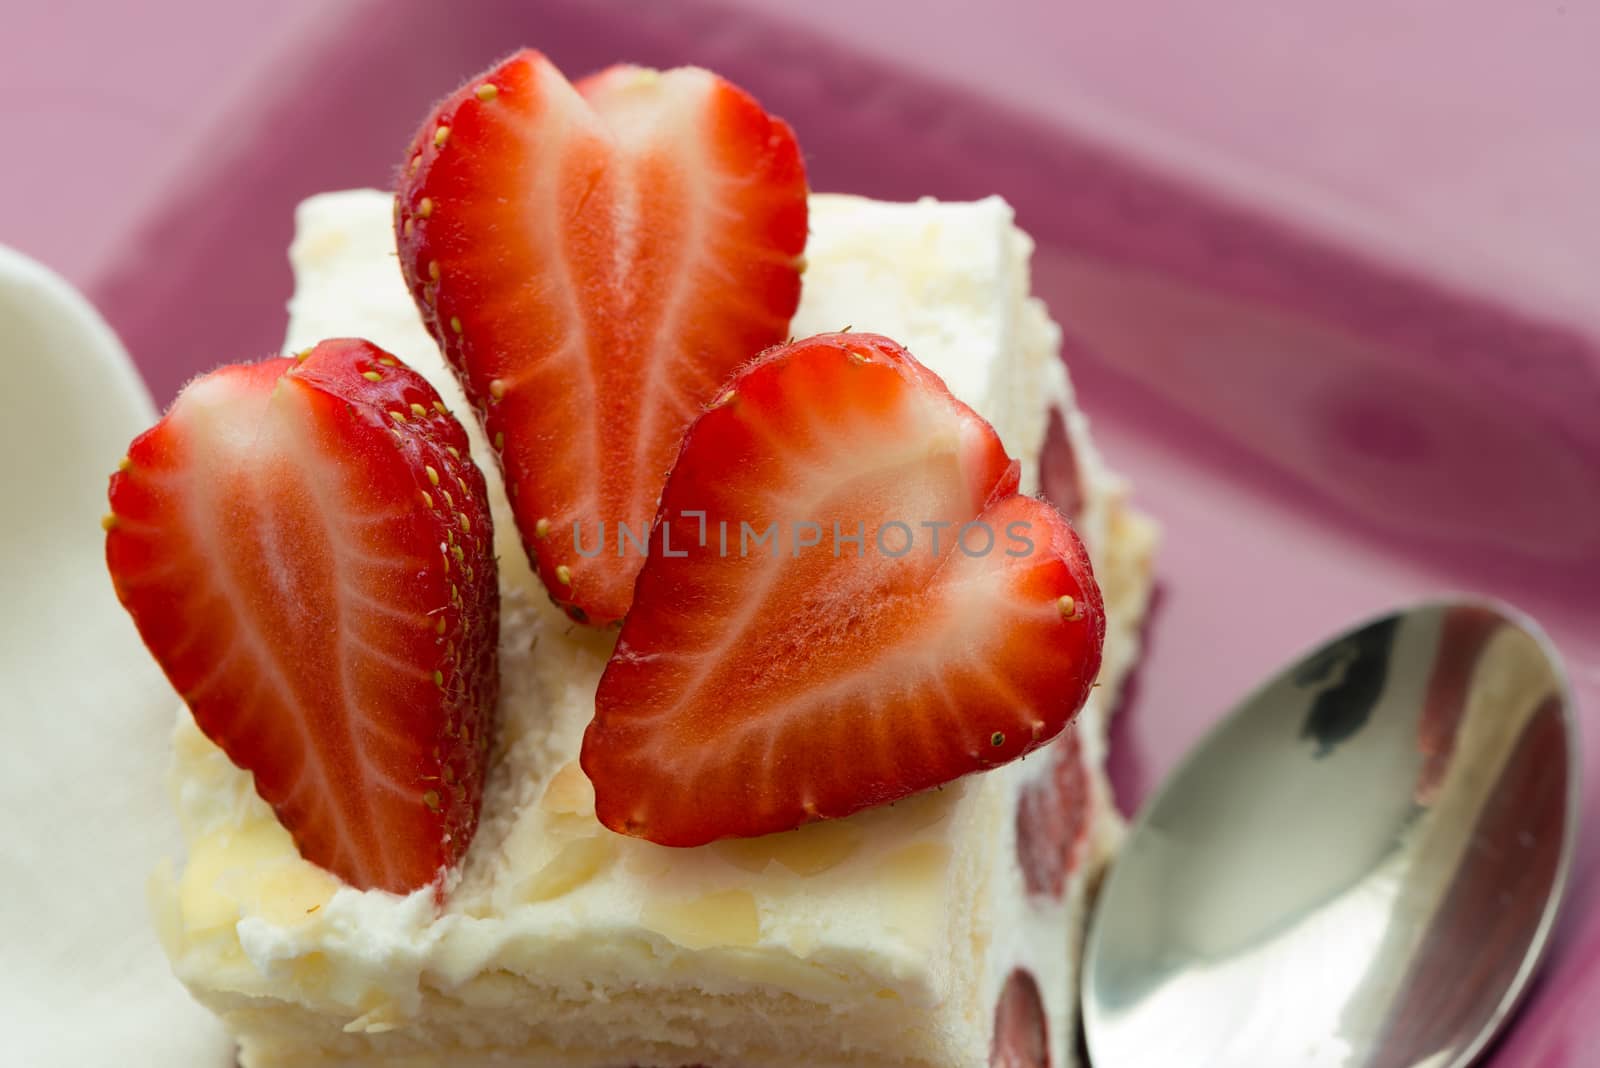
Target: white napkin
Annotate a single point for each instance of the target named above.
(85, 715)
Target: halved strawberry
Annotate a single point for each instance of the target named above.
(594, 262)
(758, 685)
(305, 547)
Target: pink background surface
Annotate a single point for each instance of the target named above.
(1328, 280)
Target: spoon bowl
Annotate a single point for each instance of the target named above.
(1359, 868)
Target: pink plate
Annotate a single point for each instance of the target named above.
(1329, 416)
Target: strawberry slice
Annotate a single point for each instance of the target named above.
(845, 602)
(305, 548)
(594, 262)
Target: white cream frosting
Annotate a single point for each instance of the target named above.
(871, 922)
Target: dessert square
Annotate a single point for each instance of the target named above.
(940, 931)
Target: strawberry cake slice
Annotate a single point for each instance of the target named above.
(769, 731)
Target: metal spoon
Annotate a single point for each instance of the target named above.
(1359, 868)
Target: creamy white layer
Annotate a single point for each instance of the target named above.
(877, 940)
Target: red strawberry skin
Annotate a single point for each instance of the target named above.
(594, 261)
(755, 689)
(305, 547)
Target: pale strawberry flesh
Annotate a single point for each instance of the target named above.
(758, 686)
(305, 547)
(594, 261)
